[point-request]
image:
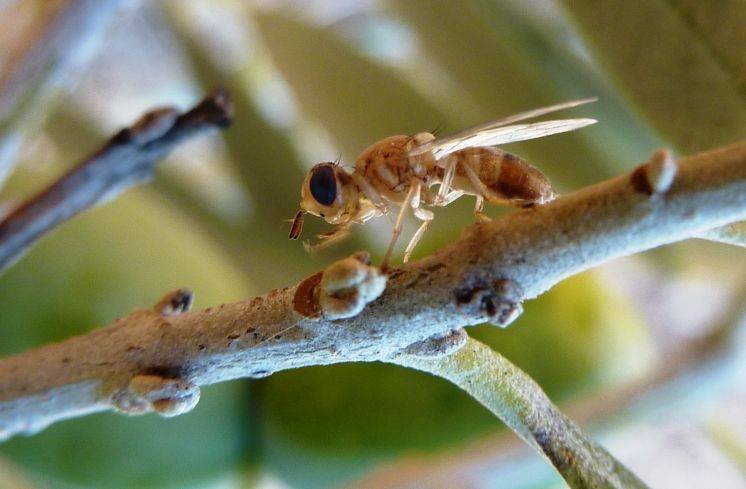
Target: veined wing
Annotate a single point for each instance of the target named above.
(494, 136)
(529, 114)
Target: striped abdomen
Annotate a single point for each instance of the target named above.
(505, 174)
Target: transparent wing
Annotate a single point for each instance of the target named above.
(500, 135)
(490, 128)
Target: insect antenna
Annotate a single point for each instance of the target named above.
(437, 129)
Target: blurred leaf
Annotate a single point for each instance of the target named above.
(675, 61)
(56, 41)
(520, 403)
(621, 137)
(114, 451)
(591, 331)
(720, 25)
(483, 50)
(101, 265)
(358, 101)
(270, 170)
(575, 337)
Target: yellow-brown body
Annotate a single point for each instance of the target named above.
(387, 166)
(401, 170)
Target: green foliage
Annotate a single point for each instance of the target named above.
(97, 267)
(680, 63)
(504, 63)
(114, 451)
(519, 402)
(358, 101)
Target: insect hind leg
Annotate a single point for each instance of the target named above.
(479, 186)
(479, 210)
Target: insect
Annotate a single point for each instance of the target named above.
(400, 170)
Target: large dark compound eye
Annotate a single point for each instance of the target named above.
(323, 185)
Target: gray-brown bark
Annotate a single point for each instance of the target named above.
(484, 276)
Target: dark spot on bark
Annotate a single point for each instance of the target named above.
(66, 360)
(233, 336)
(201, 347)
(639, 181)
(560, 461)
(165, 371)
(122, 137)
(499, 300)
(396, 272)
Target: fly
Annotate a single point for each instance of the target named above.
(400, 170)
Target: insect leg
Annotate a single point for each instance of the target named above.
(479, 185)
(327, 239)
(452, 195)
(413, 189)
(445, 185)
(479, 210)
(425, 216)
(370, 192)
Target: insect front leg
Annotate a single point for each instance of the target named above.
(327, 239)
(370, 192)
(414, 189)
(426, 217)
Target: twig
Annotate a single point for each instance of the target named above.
(483, 276)
(708, 356)
(127, 159)
(732, 234)
(64, 38)
(521, 404)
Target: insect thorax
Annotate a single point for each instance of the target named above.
(388, 167)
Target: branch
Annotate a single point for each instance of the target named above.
(732, 234)
(484, 276)
(521, 404)
(40, 66)
(127, 159)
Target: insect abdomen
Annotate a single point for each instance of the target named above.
(506, 174)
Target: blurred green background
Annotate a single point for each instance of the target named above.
(321, 80)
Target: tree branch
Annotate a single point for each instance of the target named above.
(41, 65)
(127, 159)
(521, 404)
(148, 361)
